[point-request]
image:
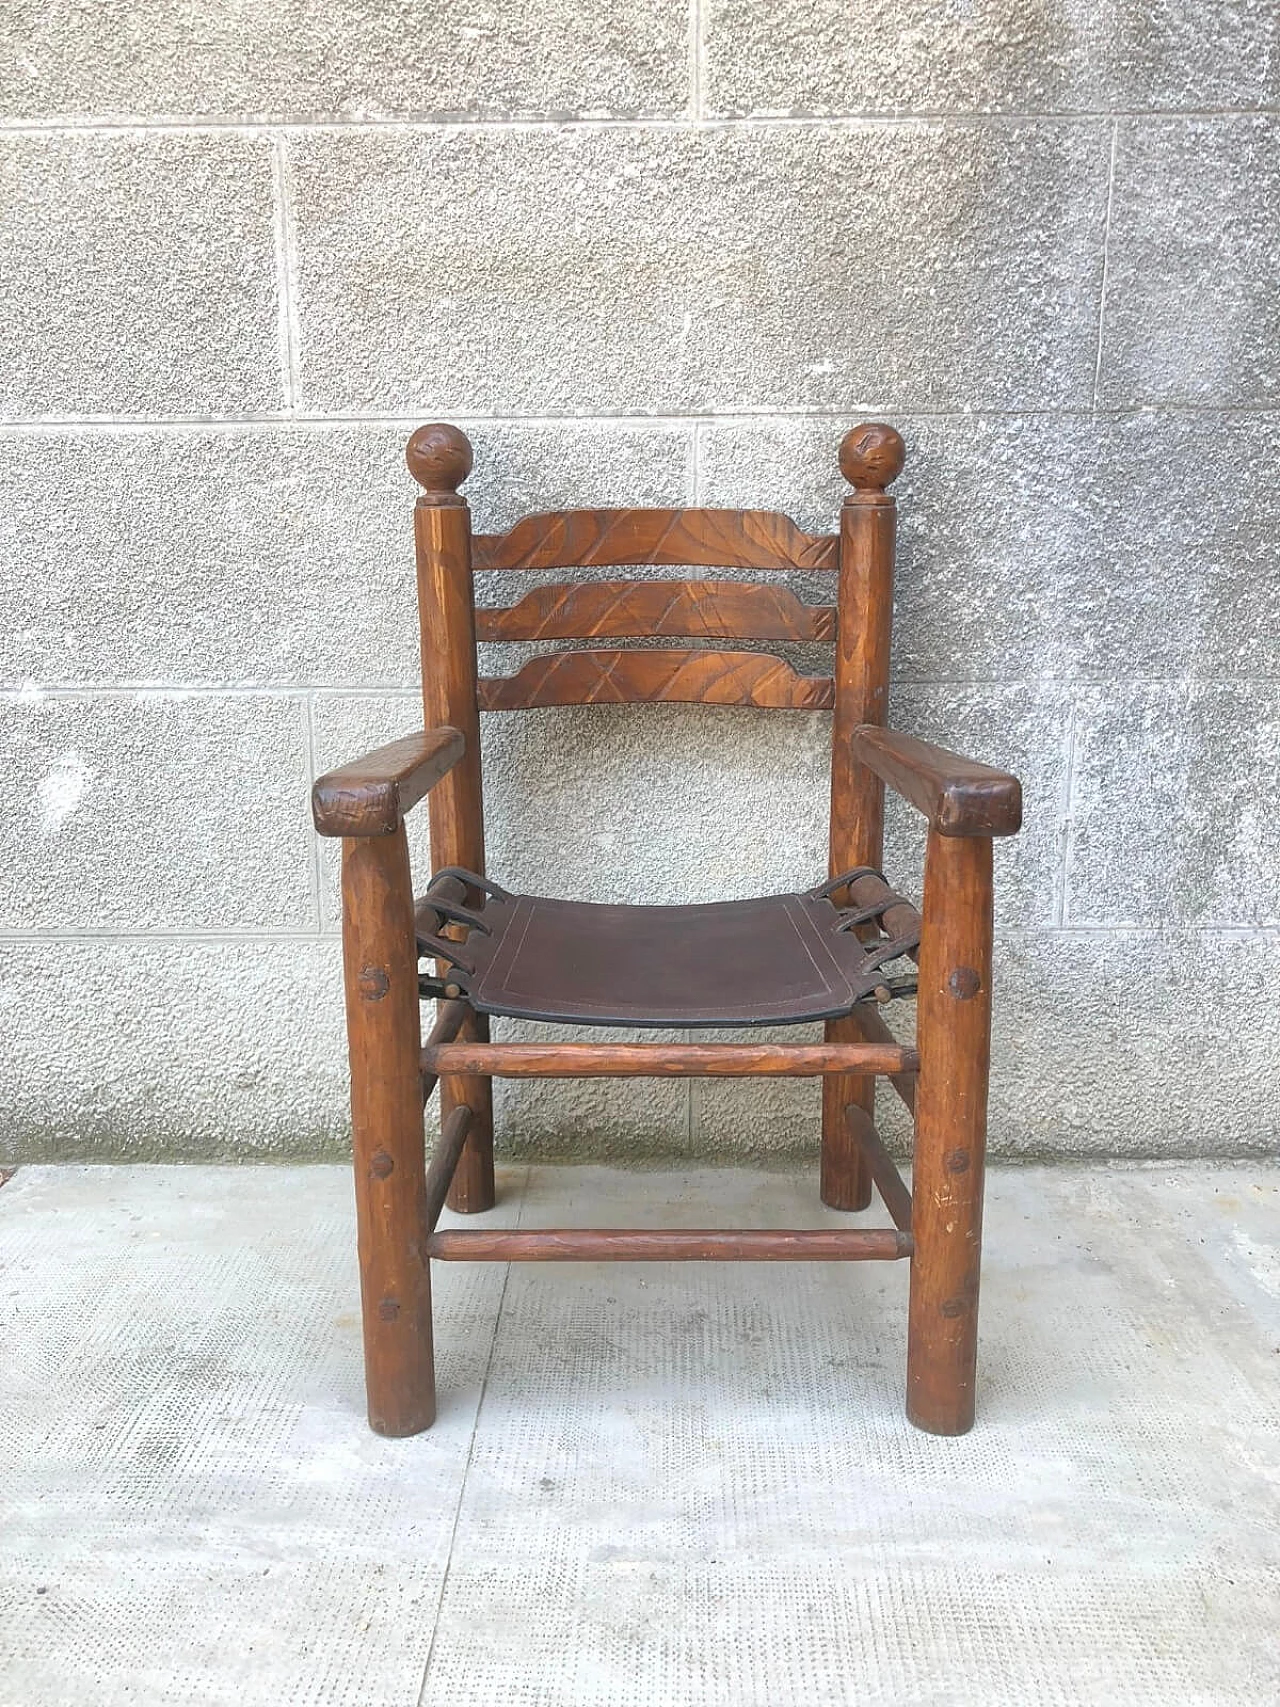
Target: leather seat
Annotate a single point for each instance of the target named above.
(772, 960)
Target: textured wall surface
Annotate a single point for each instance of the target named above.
(659, 253)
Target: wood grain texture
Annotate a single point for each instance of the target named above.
(954, 1026)
(871, 1028)
(884, 1170)
(899, 919)
(451, 1017)
(711, 610)
(959, 796)
(444, 1163)
(370, 796)
(667, 1060)
(439, 457)
(938, 1223)
(384, 1041)
(614, 677)
(473, 1188)
(715, 539)
(867, 534)
(446, 611)
(844, 1180)
(617, 1244)
(870, 457)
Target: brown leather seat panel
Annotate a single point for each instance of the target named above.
(774, 960)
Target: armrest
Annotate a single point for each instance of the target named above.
(958, 796)
(370, 796)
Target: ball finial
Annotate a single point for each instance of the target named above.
(439, 459)
(872, 455)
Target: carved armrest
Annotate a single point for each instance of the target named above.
(958, 796)
(370, 796)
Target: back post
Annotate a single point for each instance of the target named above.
(439, 459)
(871, 458)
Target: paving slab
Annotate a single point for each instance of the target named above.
(649, 1483)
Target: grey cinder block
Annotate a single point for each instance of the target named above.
(155, 812)
(243, 258)
(254, 556)
(627, 1120)
(1173, 806)
(1193, 279)
(1023, 728)
(825, 56)
(140, 275)
(174, 1050)
(714, 269)
(348, 59)
(1143, 1043)
(1041, 546)
(1093, 1055)
(264, 556)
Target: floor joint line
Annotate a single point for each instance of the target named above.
(471, 1447)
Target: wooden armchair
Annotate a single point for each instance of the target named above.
(826, 954)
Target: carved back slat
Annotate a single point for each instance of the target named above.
(613, 676)
(711, 610)
(713, 539)
(871, 457)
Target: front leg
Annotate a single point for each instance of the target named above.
(384, 1039)
(954, 1041)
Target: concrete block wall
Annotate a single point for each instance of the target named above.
(659, 253)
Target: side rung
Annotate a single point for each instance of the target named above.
(616, 1244)
(452, 1016)
(698, 610)
(893, 1190)
(444, 1161)
(874, 1030)
(667, 1060)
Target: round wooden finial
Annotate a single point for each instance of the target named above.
(439, 459)
(872, 455)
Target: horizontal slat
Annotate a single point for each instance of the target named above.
(616, 1244)
(715, 539)
(712, 610)
(667, 1060)
(615, 677)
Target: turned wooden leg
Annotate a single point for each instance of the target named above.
(845, 1177)
(954, 1030)
(472, 1190)
(384, 1037)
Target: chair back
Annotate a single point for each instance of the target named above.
(855, 621)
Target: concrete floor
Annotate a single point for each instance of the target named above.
(660, 1485)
